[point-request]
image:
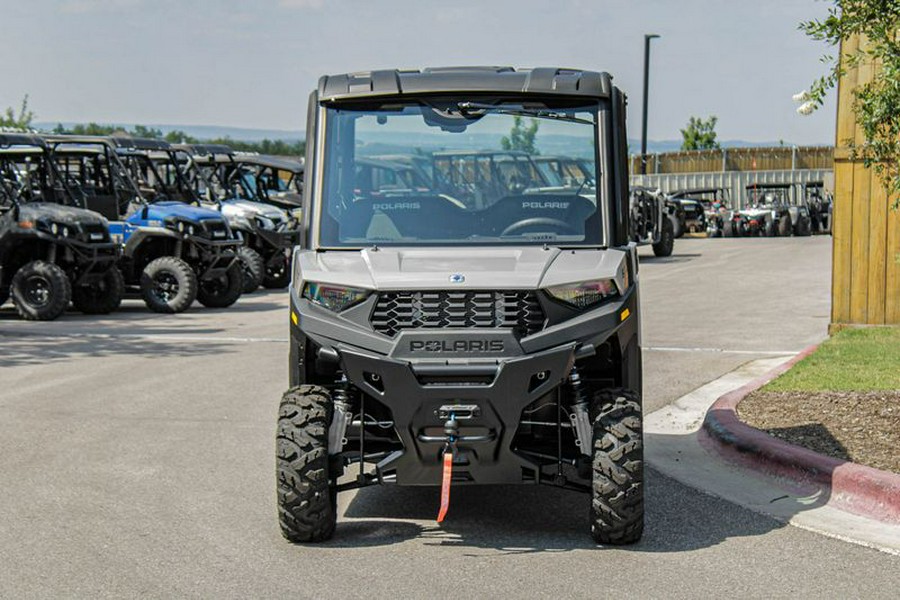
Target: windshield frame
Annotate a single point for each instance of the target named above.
(599, 108)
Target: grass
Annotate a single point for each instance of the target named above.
(852, 360)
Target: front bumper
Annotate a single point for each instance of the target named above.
(420, 383)
(416, 393)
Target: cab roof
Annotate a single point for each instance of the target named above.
(552, 81)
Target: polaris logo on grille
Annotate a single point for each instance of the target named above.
(218, 234)
(458, 346)
(457, 278)
(96, 236)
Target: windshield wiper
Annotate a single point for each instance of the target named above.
(541, 113)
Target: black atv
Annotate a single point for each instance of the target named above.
(51, 252)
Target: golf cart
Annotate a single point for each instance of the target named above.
(715, 204)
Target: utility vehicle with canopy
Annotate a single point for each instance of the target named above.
(51, 251)
(482, 331)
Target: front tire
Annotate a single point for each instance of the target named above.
(102, 297)
(224, 290)
(254, 268)
(277, 278)
(784, 226)
(168, 285)
(41, 291)
(307, 508)
(617, 497)
(666, 242)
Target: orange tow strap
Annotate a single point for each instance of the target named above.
(445, 484)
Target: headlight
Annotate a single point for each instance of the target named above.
(583, 295)
(333, 297)
(190, 229)
(54, 229)
(265, 222)
(180, 226)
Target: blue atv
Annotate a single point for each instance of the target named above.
(172, 252)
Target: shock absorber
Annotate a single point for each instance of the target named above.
(337, 433)
(579, 416)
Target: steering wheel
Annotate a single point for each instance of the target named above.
(562, 226)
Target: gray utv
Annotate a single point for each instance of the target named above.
(470, 332)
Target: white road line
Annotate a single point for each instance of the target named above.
(721, 350)
(162, 337)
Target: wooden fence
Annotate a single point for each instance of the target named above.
(776, 158)
(866, 267)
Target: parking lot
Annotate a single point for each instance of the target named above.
(138, 459)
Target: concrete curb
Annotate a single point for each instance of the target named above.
(855, 488)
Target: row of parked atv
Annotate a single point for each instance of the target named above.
(777, 209)
(85, 221)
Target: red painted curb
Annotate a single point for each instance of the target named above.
(855, 488)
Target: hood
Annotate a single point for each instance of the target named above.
(246, 208)
(59, 213)
(162, 210)
(481, 268)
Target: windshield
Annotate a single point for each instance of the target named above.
(458, 173)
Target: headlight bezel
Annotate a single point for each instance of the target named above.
(584, 295)
(333, 297)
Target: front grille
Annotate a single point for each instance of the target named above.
(93, 233)
(215, 229)
(519, 311)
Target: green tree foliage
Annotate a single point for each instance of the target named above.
(876, 104)
(20, 121)
(274, 147)
(521, 137)
(700, 134)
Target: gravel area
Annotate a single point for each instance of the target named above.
(863, 427)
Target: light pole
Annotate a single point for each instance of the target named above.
(647, 38)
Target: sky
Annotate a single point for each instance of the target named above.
(253, 63)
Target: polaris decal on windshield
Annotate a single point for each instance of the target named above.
(545, 205)
(398, 206)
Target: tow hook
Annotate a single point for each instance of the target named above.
(451, 431)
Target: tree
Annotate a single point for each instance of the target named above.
(876, 104)
(700, 134)
(521, 137)
(22, 121)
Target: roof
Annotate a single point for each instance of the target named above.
(133, 143)
(697, 191)
(553, 81)
(20, 139)
(204, 149)
(265, 160)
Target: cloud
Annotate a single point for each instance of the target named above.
(315, 4)
(90, 6)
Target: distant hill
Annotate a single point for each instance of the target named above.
(203, 132)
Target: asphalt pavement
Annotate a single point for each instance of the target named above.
(137, 458)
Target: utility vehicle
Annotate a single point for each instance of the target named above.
(484, 331)
(242, 194)
(649, 221)
(715, 204)
(778, 209)
(51, 252)
(172, 252)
